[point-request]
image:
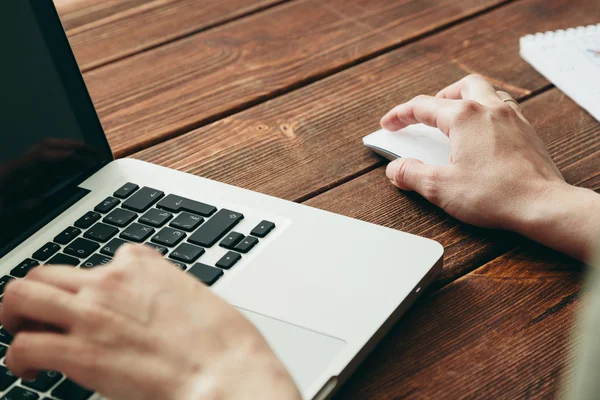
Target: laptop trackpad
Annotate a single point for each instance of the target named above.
(305, 353)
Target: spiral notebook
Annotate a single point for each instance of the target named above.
(570, 59)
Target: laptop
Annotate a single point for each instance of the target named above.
(322, 288)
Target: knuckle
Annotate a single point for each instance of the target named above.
(434, 184)
(130, 254)
(420, 98)
(474, 78)
(403, 172)
(469, 107)
(93, 316)
(431, 189)
(113, 278)
(127, 250)
(14, 291)
(504, 111)
(20, 346)
(35, 273)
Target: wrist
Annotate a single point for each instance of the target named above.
(561, 216)
(541, 206)
(248, 370)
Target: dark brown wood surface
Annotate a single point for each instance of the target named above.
(107, 30)
(174, 88)
(275, 96)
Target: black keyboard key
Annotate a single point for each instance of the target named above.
(143, 199)
(69, 390)
(63, 259)
(231, 240)
(96, 260)
(5, 338)
(169, 237)
(87, 220)
(187, 253)
(81, 248)
(101, 232)
(137, 233)
(246, 245)
(126, 190)
(179, 265)
(156, 218)
(261, 230)
(120, 217)
(24, 267)
(205, 273)
(161, 249)
(215, 228)
(107, 205)
(177, 203)
(47, 251)
(3, 350)
(19, 393)
(44, 381)
(4, 281)
(111, 247)
(6, 378)
(186, 221)
(228, 260)
(67, 235)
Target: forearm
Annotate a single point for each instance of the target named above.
(566, 218)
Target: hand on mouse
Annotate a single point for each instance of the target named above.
(500, 174)
(138, 328)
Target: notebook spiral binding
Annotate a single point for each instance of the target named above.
(560, 34)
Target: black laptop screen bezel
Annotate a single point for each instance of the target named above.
(74, 86)
(78, 97)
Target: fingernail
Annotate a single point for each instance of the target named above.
(392, 170)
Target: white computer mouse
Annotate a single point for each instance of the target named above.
(430, 145)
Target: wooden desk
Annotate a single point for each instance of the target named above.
(275, 95)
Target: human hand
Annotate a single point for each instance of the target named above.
(498, 163)
(138, 328)
(500, 173)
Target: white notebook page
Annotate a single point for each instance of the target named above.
(570, 59)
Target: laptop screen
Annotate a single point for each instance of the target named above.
(50, 136)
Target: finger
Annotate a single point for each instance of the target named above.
(472, 87)
(111, 371)
(34, 351)
(435, 112)
(29, 301)
(62, 277)
(508, 99)
(134, 254)
(412, 175)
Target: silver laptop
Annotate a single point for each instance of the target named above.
(322, 288)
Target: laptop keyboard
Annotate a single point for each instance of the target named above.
(179, 228)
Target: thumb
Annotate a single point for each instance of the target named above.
(413, 175)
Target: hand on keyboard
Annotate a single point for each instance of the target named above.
(138, 328)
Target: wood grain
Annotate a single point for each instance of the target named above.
(108, 30)
(172, 89)
(502, 332)
(305, 142)
(573, 139)
(76, 13)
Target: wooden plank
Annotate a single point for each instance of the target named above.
(502, 332)
(573, 139)
(76, 13)
(103, 31)
(171, 89)
(302, 143)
